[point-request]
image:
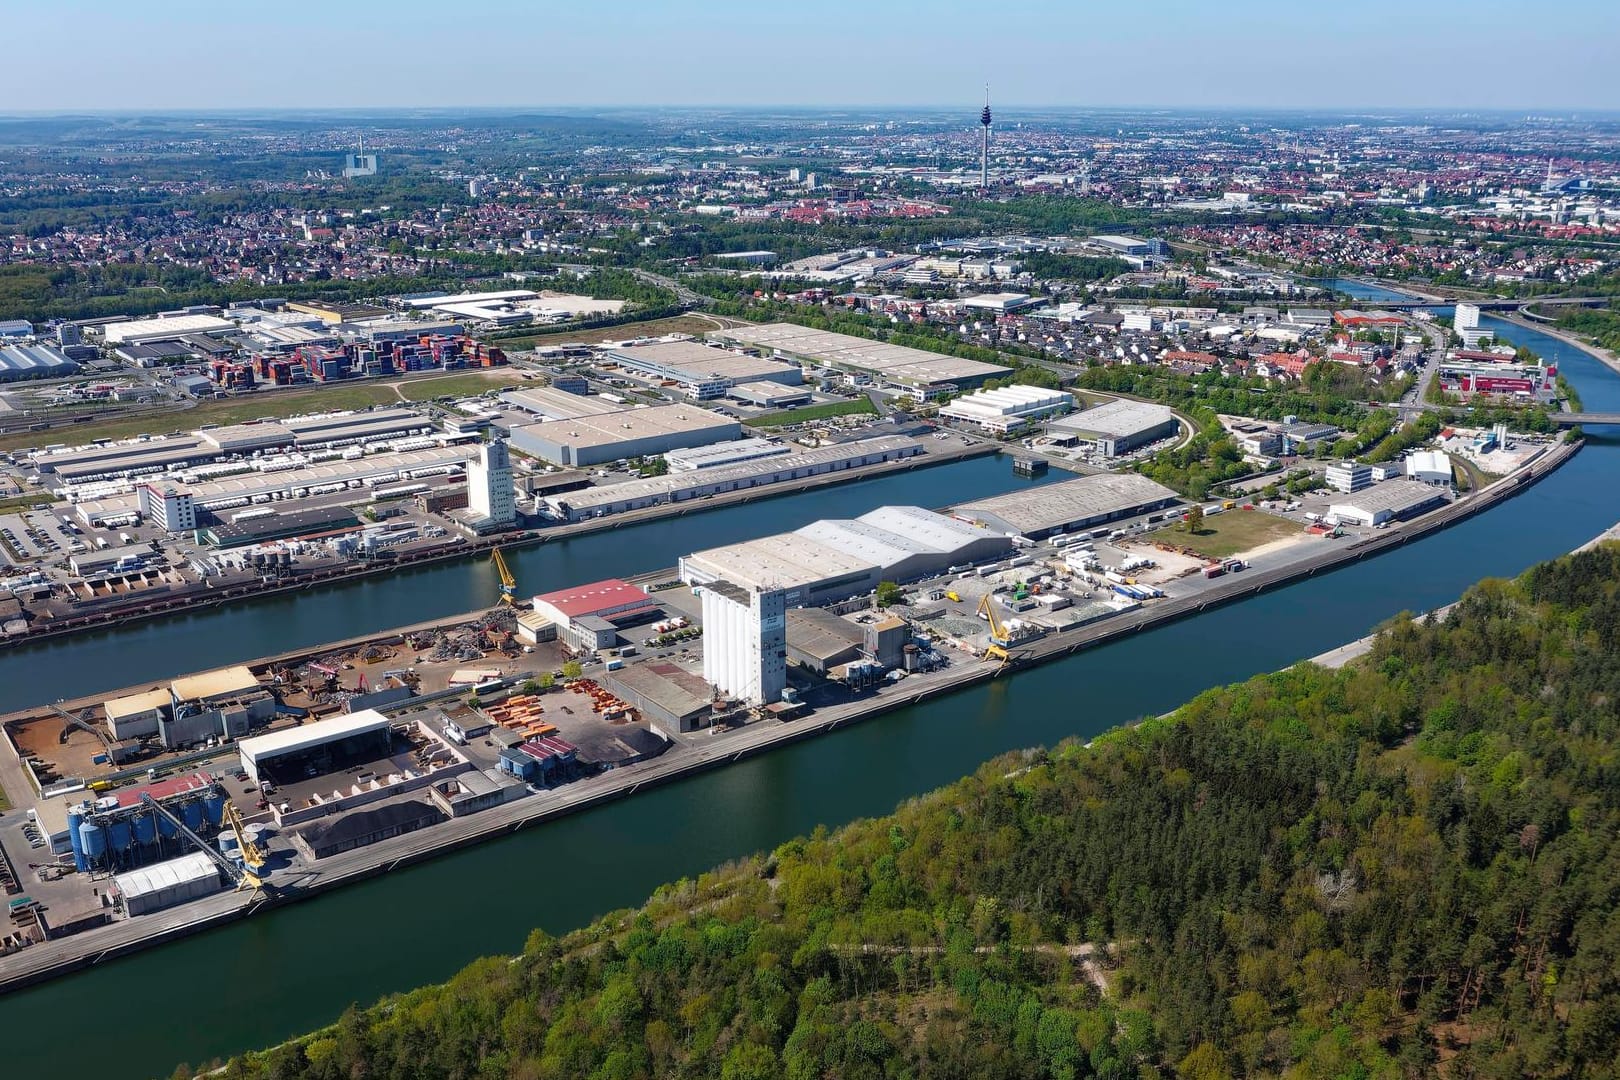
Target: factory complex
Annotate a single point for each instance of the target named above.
(1084, 503)
(702, 371)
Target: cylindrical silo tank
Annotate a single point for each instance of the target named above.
(286, 559)
(167, 829)
(75, 820)
(192, 815)
(214, 806)
(93, 840)
(120, 836)
(145, 830)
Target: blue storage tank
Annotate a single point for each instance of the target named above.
(214, 805)
(120, 835)
(166, 828)
(93, 840)
(74, 820)
(145, 830)
(192, 815)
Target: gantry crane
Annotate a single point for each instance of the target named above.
(508, 582)
(243, 877)
(999, 637)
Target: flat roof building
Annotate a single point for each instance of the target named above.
(1008, 408)
(703, 371)
(592, 440)
(1118, 427)
(1393, 500)
(554, 403)
(322, 745)
(680, 486)
(913, 368)
(770, 395)
(588, 617)
(135, 331)
(731, 453)
(1070, 504)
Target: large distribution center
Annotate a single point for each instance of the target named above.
(1070, 504)
(34, 362)
(831, 560)
(703, 371)
(1008, 408)
(1118, 427)
(701, 483)
(913, 369)
(593, 440)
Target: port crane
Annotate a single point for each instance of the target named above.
(247, 876)
(1000, 638)
(508, 582)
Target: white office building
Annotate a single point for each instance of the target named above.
(169, 507)
(489, 485)
(745, 641)
(1349, 476)
(1466, 318)
(1010, 408)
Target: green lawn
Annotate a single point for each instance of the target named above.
(463, 385)
(813, 412)
(1230, 533)
(230, 411)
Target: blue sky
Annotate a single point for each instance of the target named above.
(1512, 54)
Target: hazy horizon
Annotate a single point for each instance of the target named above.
(186, 56)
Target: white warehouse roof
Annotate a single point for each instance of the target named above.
(138, 330)
(265, 747)
(166, 876)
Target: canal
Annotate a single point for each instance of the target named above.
(284, 972)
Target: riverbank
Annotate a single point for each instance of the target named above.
(49, 959)
(1603, 356)
(203, 599)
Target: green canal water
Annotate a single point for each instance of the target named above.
(285, 971)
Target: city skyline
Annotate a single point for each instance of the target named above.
(182, 56)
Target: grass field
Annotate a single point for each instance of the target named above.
(275, 404)
(232, 411)
(1230, 533)
(26, 501)
(813, 412)
(679, 324)
(462, 385)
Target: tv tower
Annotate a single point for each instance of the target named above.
(984, 142)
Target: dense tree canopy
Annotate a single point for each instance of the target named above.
(1404, 868)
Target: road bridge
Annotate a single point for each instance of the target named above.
(1585, 419)
(1494, 305)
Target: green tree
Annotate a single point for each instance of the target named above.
(889, 594)
(572, 669)
(1193, 523)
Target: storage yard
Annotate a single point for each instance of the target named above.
(396, 747)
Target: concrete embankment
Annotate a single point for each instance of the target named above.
(53, 958)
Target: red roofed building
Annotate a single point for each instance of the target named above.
(1282, 363)
(587, 617)
(1189, 360)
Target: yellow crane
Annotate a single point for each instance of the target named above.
(508, 582)
(999, 638)
(253, 856)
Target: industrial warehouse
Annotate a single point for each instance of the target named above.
(702, 371)
(611, 436)
(1081, 503)
(758, 470)
(831, 560)
(926, 373)
(1115, 428)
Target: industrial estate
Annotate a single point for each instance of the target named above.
(1140, 332)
